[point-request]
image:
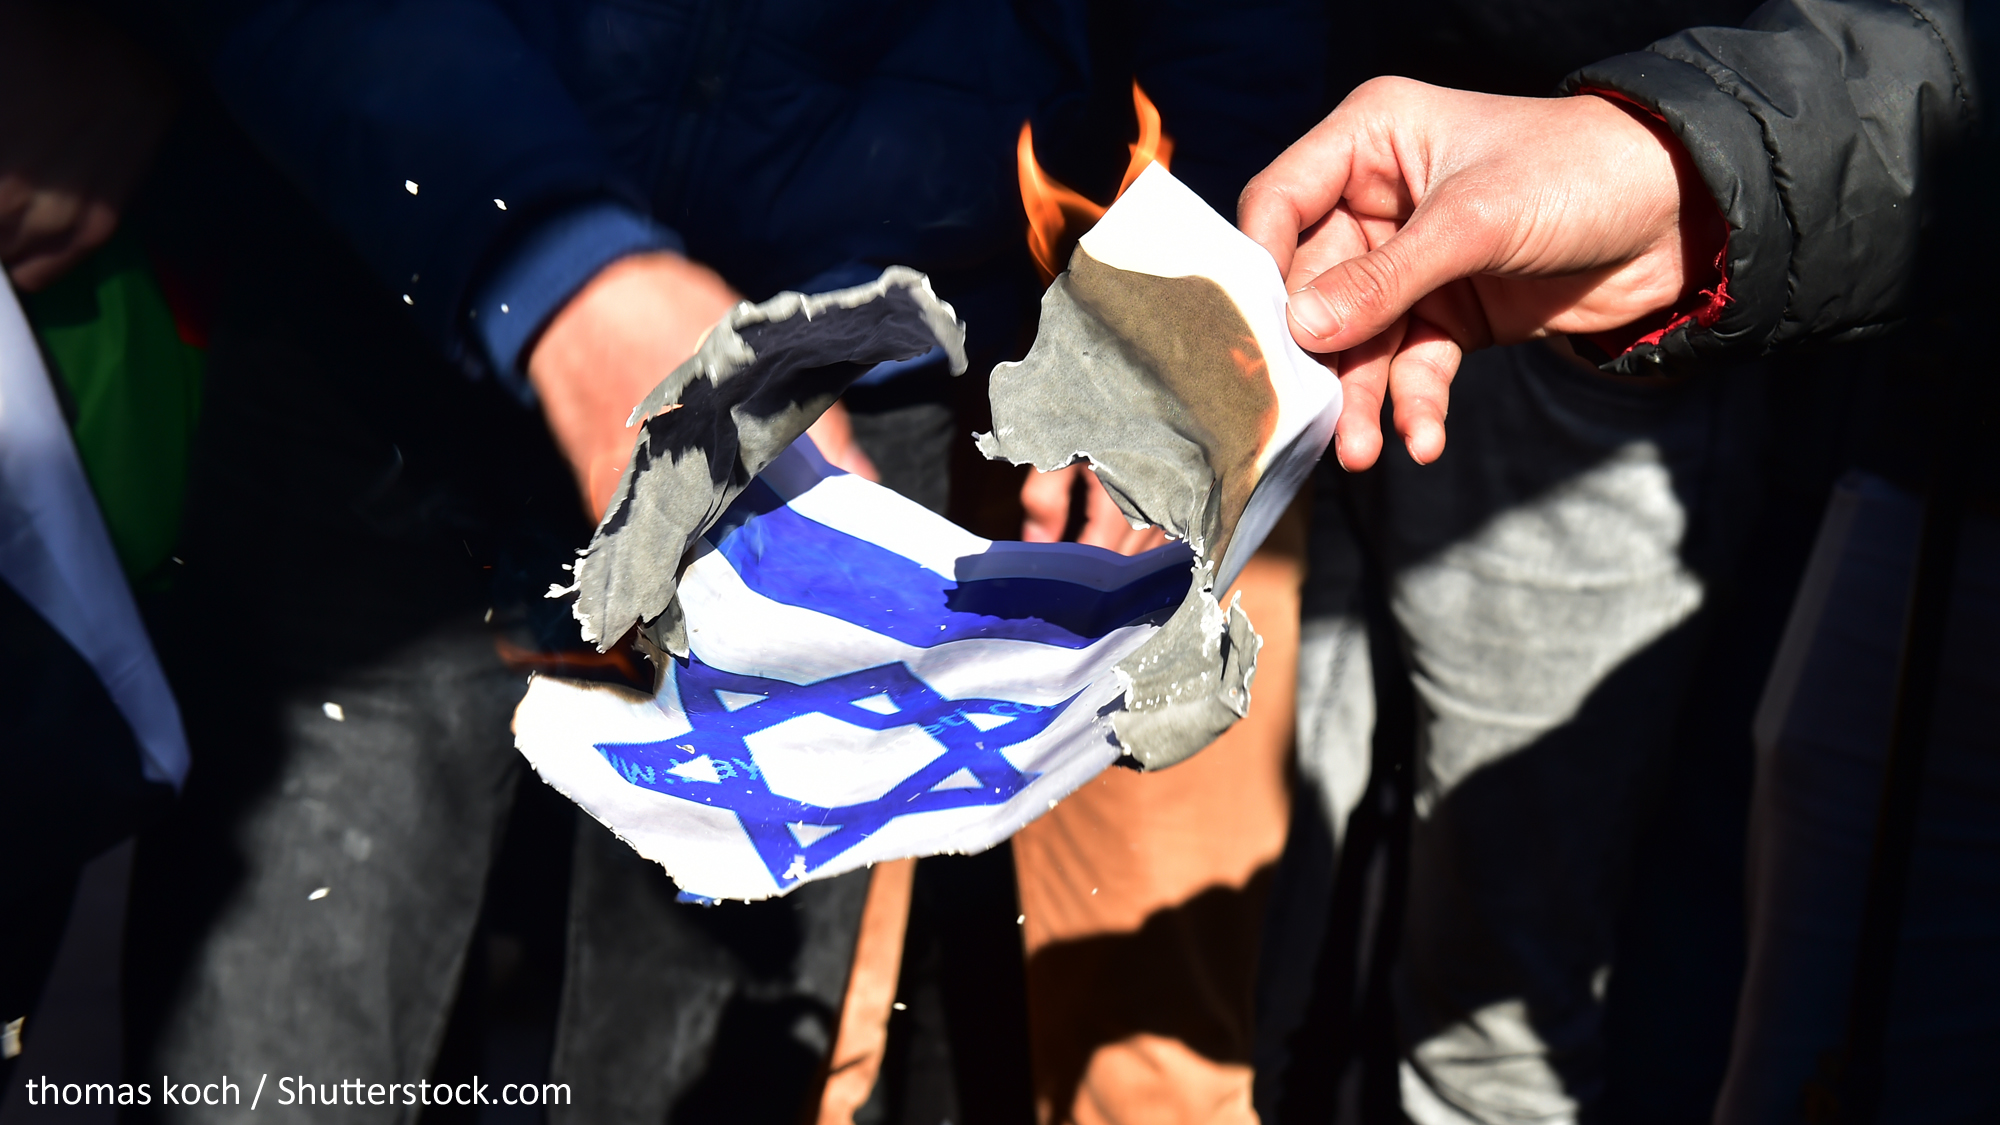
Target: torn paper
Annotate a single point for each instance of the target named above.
(846, 677)
(863, 681)
(764, 375)
(1164, 359)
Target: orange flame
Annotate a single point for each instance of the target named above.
(1058, 215)
(1154, 146)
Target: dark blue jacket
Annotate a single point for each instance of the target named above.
(481, 153)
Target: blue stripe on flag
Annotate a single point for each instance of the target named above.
(796, 561)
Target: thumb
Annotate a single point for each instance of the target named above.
(1361, 297)
(1045, 504)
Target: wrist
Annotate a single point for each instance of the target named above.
(624, 331)
(641, 308)
(1695, 245)
(545, 266)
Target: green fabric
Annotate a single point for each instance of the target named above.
(135, 390)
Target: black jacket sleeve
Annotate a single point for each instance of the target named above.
(1820, 126)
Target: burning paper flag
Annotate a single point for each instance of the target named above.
(846, 677)
(1164, 359)
(865, 681)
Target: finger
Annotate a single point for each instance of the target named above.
(1104, 522)
(48, 216)
(850, 458)
(1360, 297)
(94, 226)
(1340, 236)
(1364, 381)
(1461, 310)
(600, 481)
(833, 433)
(1352, 155)
(1045, 504)
(50, 257)
(15, 195)
(1298, 189)
(1328, 243)
(1420, 377)
(25, 219)
(1139, 540)
(38, 269)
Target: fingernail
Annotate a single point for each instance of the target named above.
(1424, 435)
(1338, 459)
(1313, 312)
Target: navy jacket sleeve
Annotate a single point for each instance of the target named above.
(427, 130)
(535, 277)
(1821, 127)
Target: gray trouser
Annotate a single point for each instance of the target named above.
(1544, 578)
(311, 924)
(1822, 738)
(322, 931)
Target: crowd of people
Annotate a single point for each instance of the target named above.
(1622, 747)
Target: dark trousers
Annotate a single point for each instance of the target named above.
(1822, 733)
(364, 524)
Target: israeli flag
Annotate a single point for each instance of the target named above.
(866, 681)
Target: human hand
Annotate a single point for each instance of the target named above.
(81, 110)
(1045, 498)
(1417, 223)
(833, 434)
(636, 321)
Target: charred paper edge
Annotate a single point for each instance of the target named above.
(1169, 716)
(724, 354)
(1191, 680)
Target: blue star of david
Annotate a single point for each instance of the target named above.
(723, 708)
